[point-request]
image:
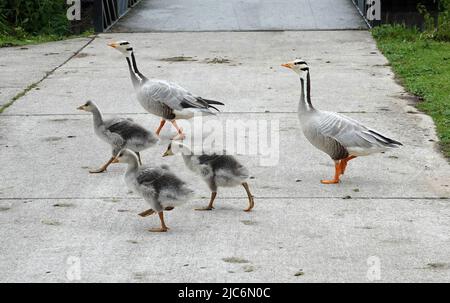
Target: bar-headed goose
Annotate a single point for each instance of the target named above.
(342, 138)
(157, 185)
(162, 98)
(119, 133)
(216, 170)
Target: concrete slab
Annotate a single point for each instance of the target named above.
(348, 73)
(238, 15)
(395, 208)
(294, 171)
(43, 58)
(329, 240)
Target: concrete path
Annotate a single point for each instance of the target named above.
(42, 60)
(391, 209)
(240, 15)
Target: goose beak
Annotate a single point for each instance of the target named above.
(113, 44)
(80, 107)
(288, 65)
(115, 160)
(168, 153)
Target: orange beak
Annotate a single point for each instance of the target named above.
(80, 107)
(112, 44)
(288, 65)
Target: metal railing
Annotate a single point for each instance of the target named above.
(108, 12)
(396, 11)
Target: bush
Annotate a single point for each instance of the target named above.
(442, 31)
(33, 17)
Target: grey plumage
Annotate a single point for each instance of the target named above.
(217, 170)
(162, 98)
(335, 134)
(341, 137)
(170, 101)
(160, 187)
(119, 133)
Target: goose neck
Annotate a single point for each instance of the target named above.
(134, 72)
(133, 165)
(305, 96)
(98, 118)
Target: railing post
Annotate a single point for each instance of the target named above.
(98, 16)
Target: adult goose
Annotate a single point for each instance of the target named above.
(162, 98)
(215, 169)
(120, 133)
(341, 137)
(161, 188)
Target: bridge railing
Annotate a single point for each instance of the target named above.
(108, 12)
(376, 12)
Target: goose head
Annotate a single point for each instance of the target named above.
(299, 66)
(122, 46)
(176, 148)
(89, 106)
(125, 156)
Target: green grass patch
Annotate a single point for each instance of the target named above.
(12, 40)
(423, 67)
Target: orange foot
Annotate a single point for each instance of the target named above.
(337, 173)
(329, 181)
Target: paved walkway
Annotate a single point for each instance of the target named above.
(240, 15)
(42, 59)
(392, 208)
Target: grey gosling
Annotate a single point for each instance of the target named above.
(341, 137)
(120, 133)
(216, 170)
(161, 188)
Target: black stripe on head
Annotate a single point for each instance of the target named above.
(304, 68)
(300, 62)
(124, 43)
(130, 49)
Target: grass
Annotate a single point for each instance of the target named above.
(423, 67)
(10, 40)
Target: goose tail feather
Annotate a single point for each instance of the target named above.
(385, 140)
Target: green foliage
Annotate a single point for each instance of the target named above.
(442, 31)
(33, 17)
(395, 31)
(422, 63)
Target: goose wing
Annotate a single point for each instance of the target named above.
(176, 97)
(127, 129)
(351, 133)
(160, 183)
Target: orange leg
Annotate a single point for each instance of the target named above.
(344, 163)
(147, 213)
(337, 173)
(163, 227)
(161, 124)
(180, 135)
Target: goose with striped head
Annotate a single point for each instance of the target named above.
(165, 99)
(341, 137)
